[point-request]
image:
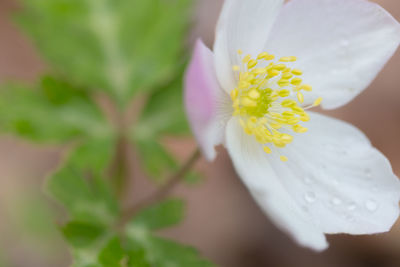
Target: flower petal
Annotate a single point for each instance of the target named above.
(242, 25)
(334, 181)
(341, 44)
(270, 191)
(355, 189)
(207, 106)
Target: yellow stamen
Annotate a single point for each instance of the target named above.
(264, 100)
(317, 102)
(246, 59)
(267, 150)
(300, 97)
(283, 158)
(297, 72)
(306, 87)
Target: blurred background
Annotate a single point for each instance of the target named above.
(223, 222)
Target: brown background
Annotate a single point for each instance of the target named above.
(222, 221)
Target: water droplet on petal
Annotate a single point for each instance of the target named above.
(344, 43)
(352, 206)
(368, 173)
(310, 197)
(371, 205)
(336, 201)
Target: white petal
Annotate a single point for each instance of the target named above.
(341, 44)
(269, 189)
(334, 181)
(242, 25)
(354, 185)
(208, 107)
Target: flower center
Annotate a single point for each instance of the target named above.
(269, 100)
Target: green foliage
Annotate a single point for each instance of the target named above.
(156, 160)
(112, 254)
(161, 215)
(123, 47)
(115, 255)
(53, 111)
(82, 234)
(162, 252)
(163, 115)
(120, 46)
(79, 186)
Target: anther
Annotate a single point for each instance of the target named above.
(283, 158)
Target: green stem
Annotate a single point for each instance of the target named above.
(161, 192)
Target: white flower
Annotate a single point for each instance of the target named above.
(311, 174)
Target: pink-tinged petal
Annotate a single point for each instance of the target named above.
(207, 106)
(341, 45)
(242, 25)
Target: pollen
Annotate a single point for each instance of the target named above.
(269, 100)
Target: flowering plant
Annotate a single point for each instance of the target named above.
(272, 62)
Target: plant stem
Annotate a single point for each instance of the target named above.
(119, 168)
(161, 192)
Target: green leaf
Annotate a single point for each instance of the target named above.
(80, 186)
(53, 111)
(137, 258)
(163, 115)
(162, 252)
(120, 46)
(155, 159)
(93, 154)
(112, 254)
(161, 215)
(82, 234)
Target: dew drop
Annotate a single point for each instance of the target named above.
(352, 206)
(371, 205)
(336, 201)
(344, 43)
(310, 197)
